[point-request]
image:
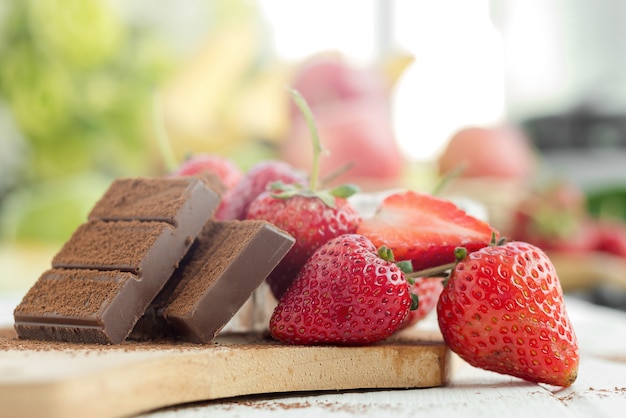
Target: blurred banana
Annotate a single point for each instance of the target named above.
(222, 97)
(230, 96)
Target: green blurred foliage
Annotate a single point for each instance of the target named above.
(608, 202)
(79, 80)
(77, 87)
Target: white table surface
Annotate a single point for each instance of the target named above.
(600, 390)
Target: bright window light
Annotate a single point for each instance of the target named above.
(302, 28)
(455, 80)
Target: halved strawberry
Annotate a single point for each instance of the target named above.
(424, 229)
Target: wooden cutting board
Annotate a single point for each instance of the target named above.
(40, 379)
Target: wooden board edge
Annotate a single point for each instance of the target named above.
(209, 375)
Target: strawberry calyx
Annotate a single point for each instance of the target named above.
(460, 253)
(282, 191)
(386, 253)
(405, 267)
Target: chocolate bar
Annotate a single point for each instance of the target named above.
(228, 261)
(108, 272)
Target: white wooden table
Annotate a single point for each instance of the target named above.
(600, 390)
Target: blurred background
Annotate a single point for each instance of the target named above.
(91, 90)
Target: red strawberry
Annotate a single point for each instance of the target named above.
(255, 181)
(310, 220)
(555, 218)
(611, 237)
(424, 229)
(427, 290)
(221, 167)
(502, 310)
(312, 217)
(345, 294)
(224, 168)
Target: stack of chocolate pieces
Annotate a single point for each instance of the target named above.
(151, 250)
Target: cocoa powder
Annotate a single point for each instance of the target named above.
(9, 341)
(101, 243)
(221, 254)
(73, 293)
(141, 199)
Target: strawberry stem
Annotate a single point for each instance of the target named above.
(336, 173)
(448, 177)
(317, 144)
(436, 271)
(495, 241)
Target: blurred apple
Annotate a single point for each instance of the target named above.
(328, 78)
(351, 107)
(490, 152)
(357, 135)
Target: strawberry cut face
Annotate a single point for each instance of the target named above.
(424, 229)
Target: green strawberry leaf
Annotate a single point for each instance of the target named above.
(326, 197)
(405, 266)
(345, 190)
(385, 253)
(460, 253)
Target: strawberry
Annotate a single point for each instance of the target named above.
(611, 237)
(555, 218)
(424, 229)
(255, 181)
(223, 168)
(311, 216)
(310, 220)
(502, 310)
(427, 290)
(345, 294)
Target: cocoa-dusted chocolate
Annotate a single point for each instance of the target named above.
(114, 264)
(228, 261)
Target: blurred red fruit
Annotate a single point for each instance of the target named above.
(223, 168)
(358, 134)
(256, 180)
(351, 106)
(502, 152)
(328, 78)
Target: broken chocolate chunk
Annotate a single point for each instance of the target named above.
(114, 265)
(226, 264)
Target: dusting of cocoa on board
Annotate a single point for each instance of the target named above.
(9, 341)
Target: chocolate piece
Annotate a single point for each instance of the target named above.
(147, 199)
(133, 246)
(74, 305)
(228, 261)
(114, 265)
